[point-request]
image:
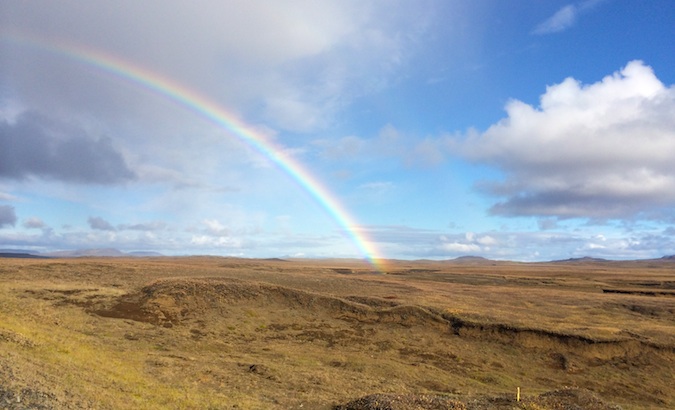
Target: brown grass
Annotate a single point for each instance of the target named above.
(232, 333)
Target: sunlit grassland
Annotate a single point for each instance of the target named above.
(90, 361)
(281, 334)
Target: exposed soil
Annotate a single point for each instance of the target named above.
(171, 302)
(564, 399)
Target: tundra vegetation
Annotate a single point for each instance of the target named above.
(222, 333)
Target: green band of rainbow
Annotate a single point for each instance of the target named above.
(201, 105)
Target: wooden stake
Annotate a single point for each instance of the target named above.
(518, 394)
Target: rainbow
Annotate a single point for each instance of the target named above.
(206, 108)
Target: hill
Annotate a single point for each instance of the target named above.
(99, 252)
(20, 255)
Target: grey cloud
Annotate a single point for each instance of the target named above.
(568, 203)
(297, 63)
(100, 224)
(34, 146)
(594, 151)
(34, 223)
(147, 226)
(545, 224)
(7, 216)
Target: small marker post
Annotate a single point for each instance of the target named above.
(518, 394)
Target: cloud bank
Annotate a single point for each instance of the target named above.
(293, 64)
(35, 146)
(603, 150)
(524, 245)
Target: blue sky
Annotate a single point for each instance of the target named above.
(520, 130)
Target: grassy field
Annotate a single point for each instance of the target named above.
(225, 333)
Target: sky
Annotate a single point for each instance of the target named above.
(430, 129)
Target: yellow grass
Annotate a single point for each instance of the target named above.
(219, 332)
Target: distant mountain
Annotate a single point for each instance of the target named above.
(102, 252)
(143, 253)
(581, 260)
(26, 251)
(22, 255)
(85, 252)
(470, 258)
(669, 257)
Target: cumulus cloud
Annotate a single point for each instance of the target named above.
(100, 224)
(525, 246)
(470, 243)
(215, 228)
(603, 150)
(460, 248)
(35, 146)
(7, 216)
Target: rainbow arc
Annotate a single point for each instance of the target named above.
(203, 106)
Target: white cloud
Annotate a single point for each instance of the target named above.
(523, 245)
(565, 17)
(295, 62)
(470, 244)
(561, 20)
(291, 65)
(486, 240)
(215, 228)
(460, 248)
(602, 150)
(4, 196)
(210, 242)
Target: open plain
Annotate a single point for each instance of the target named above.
(223, 333)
